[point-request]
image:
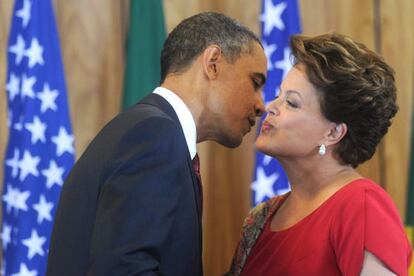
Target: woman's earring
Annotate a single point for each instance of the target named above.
(322, 150)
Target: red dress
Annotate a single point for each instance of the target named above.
(332, 239)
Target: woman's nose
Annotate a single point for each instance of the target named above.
(272, 107)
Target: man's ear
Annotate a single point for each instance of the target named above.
(211, 58)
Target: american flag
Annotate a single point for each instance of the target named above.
(40, 149)
(280, 19)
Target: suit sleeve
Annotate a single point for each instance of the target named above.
(137, 203)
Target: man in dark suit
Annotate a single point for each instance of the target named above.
(132, 203)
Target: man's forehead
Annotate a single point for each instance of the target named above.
(257, 61)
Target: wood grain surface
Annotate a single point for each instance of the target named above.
(92, 36)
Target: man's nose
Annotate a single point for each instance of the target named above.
(260, 107)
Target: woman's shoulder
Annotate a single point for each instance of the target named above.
(367, 215)
(362, 197)
(362, 184)
(362, 187)
(269, 206)
(259, 214)
(365, 205)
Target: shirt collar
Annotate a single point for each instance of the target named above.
(184, 116)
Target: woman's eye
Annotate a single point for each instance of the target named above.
(292, 103)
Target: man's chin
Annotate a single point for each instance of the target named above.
(230, 142)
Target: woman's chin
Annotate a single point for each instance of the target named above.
(261, 143)
(262, 148)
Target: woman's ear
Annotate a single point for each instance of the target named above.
(211, 58)
(336, 133)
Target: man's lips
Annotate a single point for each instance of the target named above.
(252, 122)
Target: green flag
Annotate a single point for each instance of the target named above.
(145, 38)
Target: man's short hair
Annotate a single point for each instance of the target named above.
(194, 34)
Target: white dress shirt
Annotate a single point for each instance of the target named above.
(184, 116)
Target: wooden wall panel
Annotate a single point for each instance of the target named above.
(177, 10)
(92, 46)
(353, 18)
(397, 33)
(93, 51)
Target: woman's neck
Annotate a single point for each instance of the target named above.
(309, 180)
(311, 185)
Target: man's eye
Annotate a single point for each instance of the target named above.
(256, 84)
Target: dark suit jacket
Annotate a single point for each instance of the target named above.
(131, 204)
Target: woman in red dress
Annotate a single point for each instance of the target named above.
(333, 108)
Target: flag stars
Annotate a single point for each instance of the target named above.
(24, 271)
(64, 142)
(35, 53)
(24, 13)
(27, 86)
(18, 49)
(43, 209)
(37, 129)
(267, 159)
(48, 98)
(6, 235)
(41, 136)
(285, 64)
(272, 16)
(28, 165)
(14, 163)
(9, 117)
(34, 245)
(269, 49)
(263, 185)
(19, 124)
(13, 86)
(15, 199)
(53, 174)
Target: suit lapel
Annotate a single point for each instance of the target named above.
(162, 104)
